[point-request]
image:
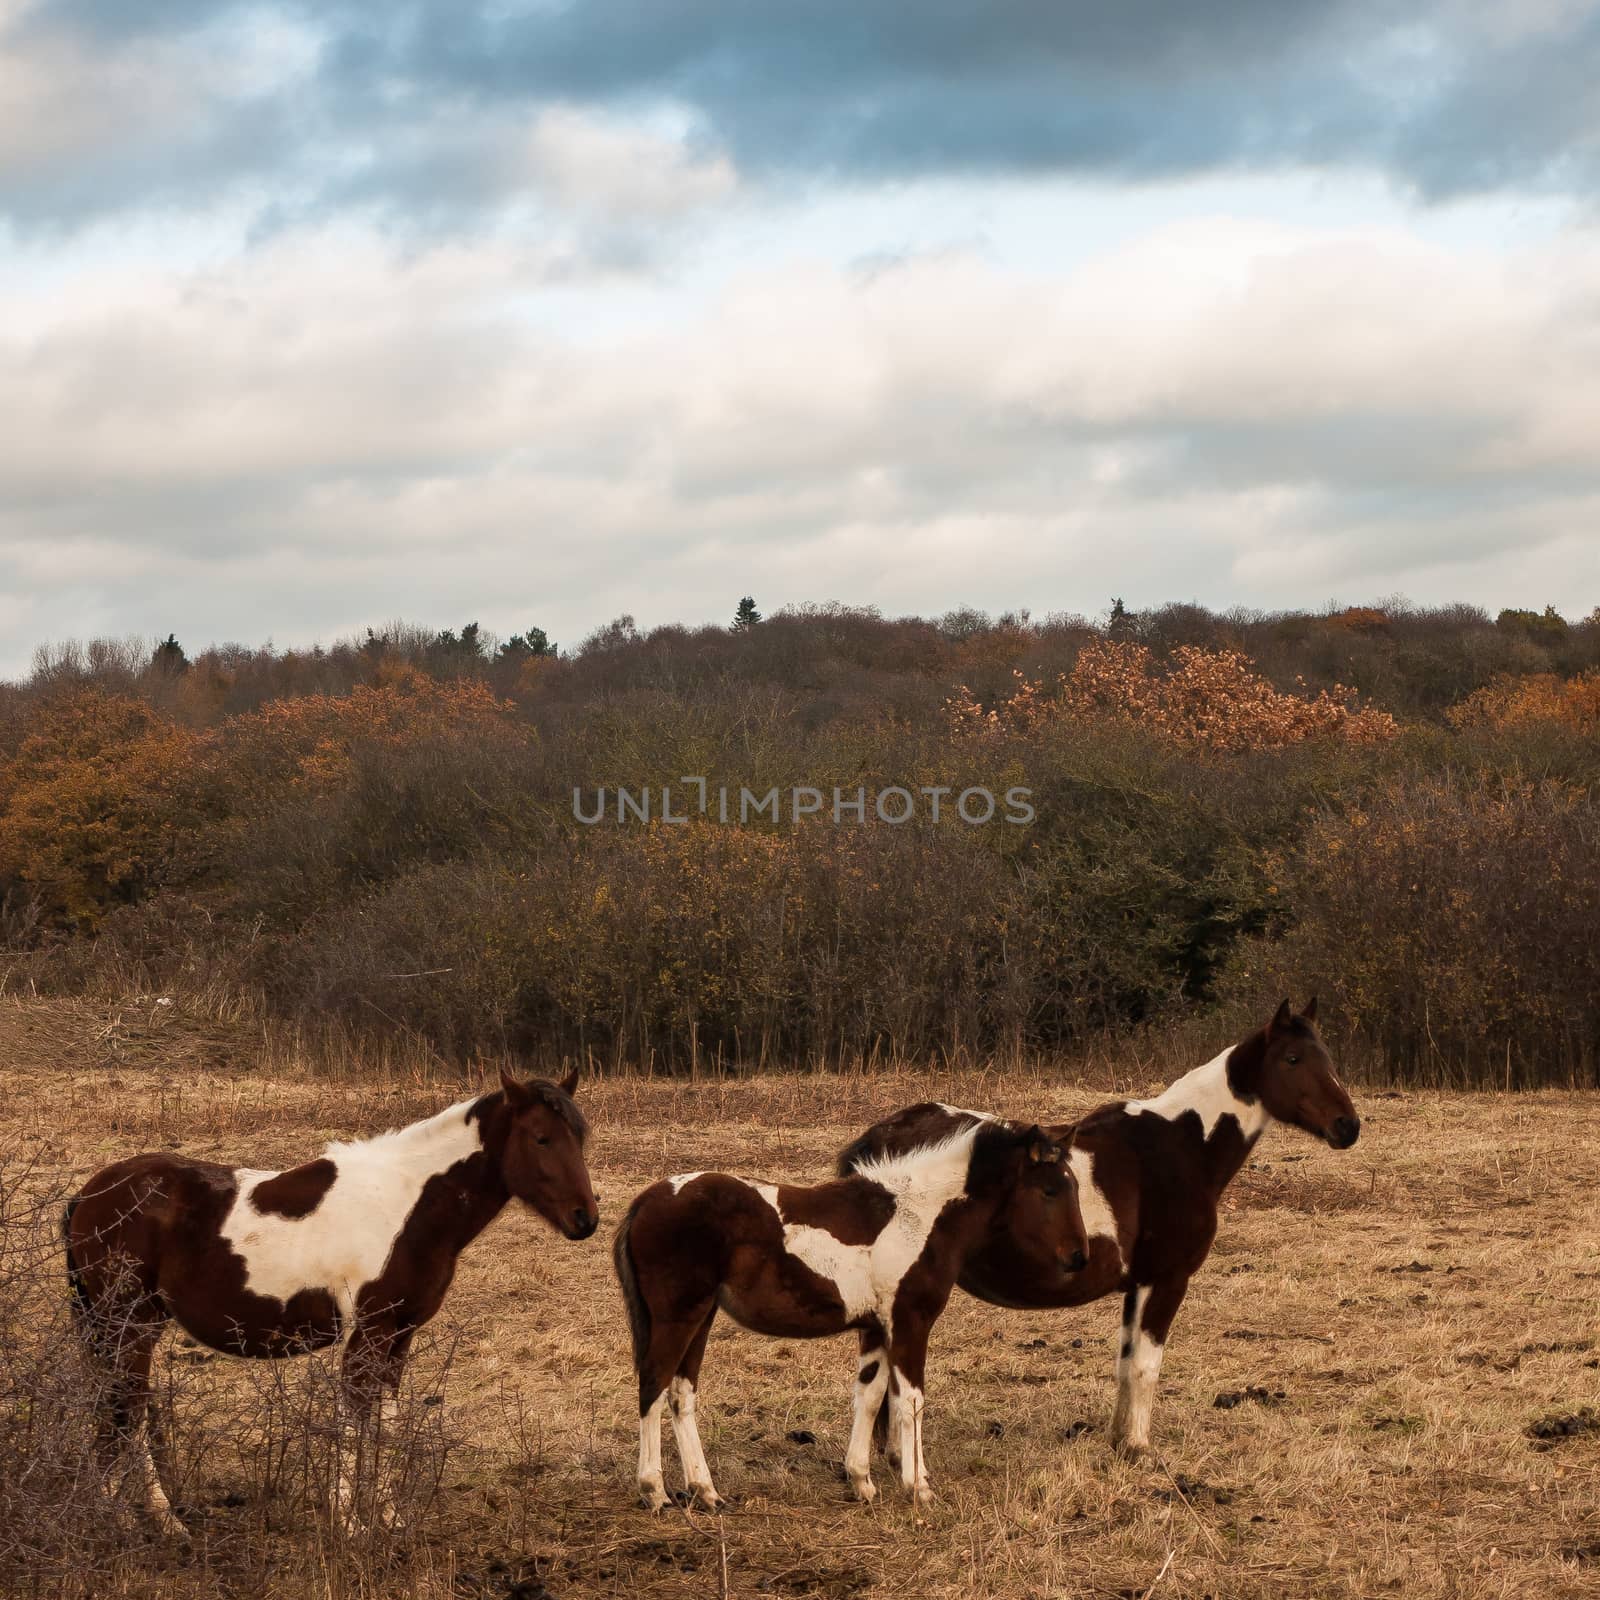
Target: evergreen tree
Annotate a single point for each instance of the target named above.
(746, 617)
(532, 642)
(168, 656)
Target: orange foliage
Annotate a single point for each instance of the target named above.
(93, 799)
(309, 742)
(1209, 698)
(1360, 619)
(1541, 697)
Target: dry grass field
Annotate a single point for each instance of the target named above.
(1393, 1320)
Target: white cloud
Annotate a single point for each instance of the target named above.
(588, 162)
(329, 428)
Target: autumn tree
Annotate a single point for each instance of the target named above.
(95, 799)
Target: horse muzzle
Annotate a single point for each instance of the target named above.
(1344, 1133)
(1075, 1262)
(582, 1223)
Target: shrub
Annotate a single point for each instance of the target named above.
(1452, 924)
(1541, 697)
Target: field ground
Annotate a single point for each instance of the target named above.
(1395, 1317)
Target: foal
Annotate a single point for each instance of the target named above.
(1150, 1174)
(878, 1251)
(360, 1243)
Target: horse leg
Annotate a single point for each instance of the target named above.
(669, 1344)
(129, 1388)
(120, 1326)
(685, 1429)
(872, 1383)
(374, 1359)
(1147, 1313)
(908, 1352)
(886, 1421)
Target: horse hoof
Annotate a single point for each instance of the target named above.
(653, 1498)
(708, 1498)
(170, 1528)
(864, 1489)
(1128, 1450)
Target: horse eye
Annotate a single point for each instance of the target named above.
(1292, 1060)
(542, 1139)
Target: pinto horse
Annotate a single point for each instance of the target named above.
(1150, 1174)
(878, 1251)
(360, 1243)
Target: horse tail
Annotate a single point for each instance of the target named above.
(638, 1311)
(80, 1291)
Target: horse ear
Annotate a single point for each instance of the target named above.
(516, 1094)
(1280, 1019)
(569, 1084)
(1309, 1009)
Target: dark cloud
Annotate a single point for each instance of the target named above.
(1446, 96)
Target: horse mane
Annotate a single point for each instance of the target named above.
(892, 1170)
(985, 1145)
(540, 1090)
(993, 1145)
(562, 1103)
(876, 1143)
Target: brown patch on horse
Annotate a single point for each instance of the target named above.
(297, 1192)
(854, 1213)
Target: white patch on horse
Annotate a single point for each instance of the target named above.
(962, 1111)
(683, 1178)
(1098, 1217)
(346, 1242)
(1206, 1092)
(922, 1182)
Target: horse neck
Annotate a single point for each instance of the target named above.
(1207, 1091)
(443, 1156)
(961, 1193)
(928, 1177)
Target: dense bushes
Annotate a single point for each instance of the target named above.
(1454, 925)
(382, 836)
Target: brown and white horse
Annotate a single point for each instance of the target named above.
(1150, 1174)
(360, 1243)
(878, 1250)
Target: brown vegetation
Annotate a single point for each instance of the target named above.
(379, 839)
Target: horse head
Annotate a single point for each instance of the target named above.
(1040, 1217)
(541, 1153)
(1297, 1082)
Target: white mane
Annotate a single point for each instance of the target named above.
(940, 1166)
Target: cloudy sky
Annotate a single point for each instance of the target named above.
(538, 311)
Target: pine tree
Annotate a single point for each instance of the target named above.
(168, 656)
(533, 642)
(746, 617)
